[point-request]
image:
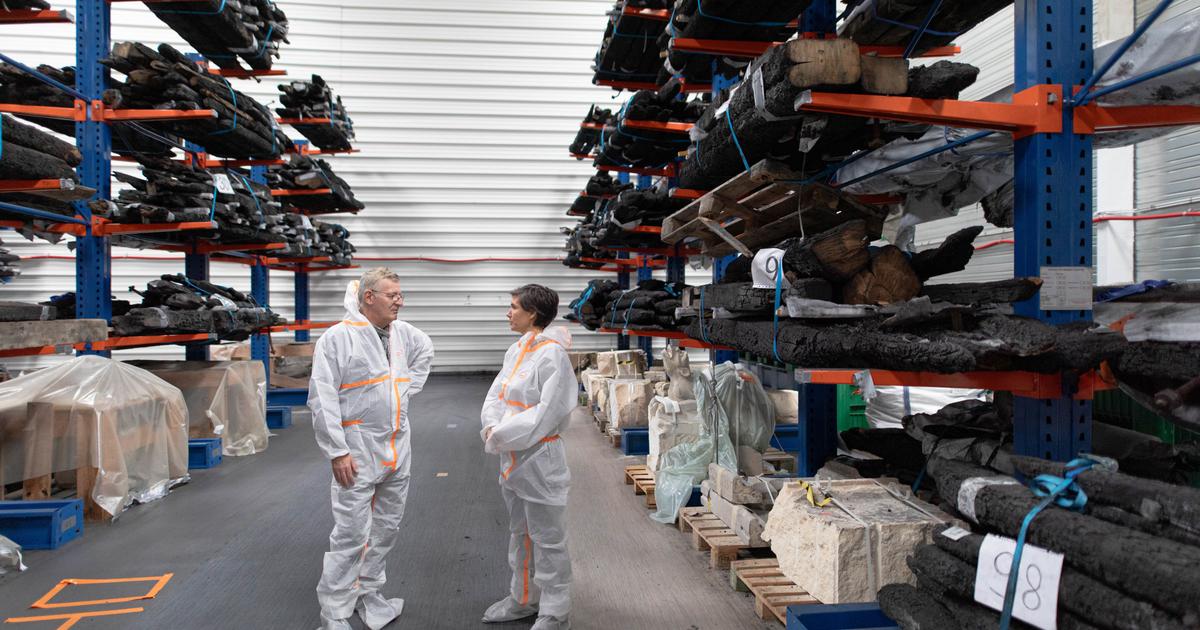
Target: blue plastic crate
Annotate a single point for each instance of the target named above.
(279, 417)
(838, 617)
(787, 438)
(694, 498)
(204, 453)
(635, 441)
(41, 524)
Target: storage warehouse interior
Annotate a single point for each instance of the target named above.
(645, 314)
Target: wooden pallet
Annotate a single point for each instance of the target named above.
(614, 434)
(642, 480)
(711, 534)
(763, 206)
(780, 459)
(773, 591)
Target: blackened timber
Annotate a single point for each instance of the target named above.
(31, 138)
(977, 293)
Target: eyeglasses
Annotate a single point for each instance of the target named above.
(395, 297)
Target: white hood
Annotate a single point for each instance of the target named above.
(350, 302)
(558, 334)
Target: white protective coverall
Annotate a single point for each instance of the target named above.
(359, 396)
(529, 403)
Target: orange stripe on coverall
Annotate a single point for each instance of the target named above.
(525, 572)
(370, 381)
(545, 440)
(399, 410)
(529, 347)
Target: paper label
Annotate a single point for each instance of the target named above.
(766, 267)
(222, 183)
(955, 533)
(1036, 599)
(1066, 289)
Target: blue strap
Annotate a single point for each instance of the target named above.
(703, 332)
(252, 195)
(775, 313)
(578, 310)
(875, 16)
(220, 10)
(232, 95)
(736, 143)
(631, 303)
(612, 317)
(700, 12)
(1061, 491)
(188, 282)
(261, 49)
(1, 136)
(1133, 289)
(920, 477)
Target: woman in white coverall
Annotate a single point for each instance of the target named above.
(529, 404)
(365, 370)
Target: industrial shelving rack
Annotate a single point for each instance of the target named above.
(1052, 117)
(93, 260)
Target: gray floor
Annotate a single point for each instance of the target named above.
(244, 541)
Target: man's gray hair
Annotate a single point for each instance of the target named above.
(371, 279)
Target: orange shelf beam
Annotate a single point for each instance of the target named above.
(308, 151)
(239, 73)
(304, 121)
(210, 248)
(1094, 118)
(295, 192)
(141, 341)
(583, 156)
(651, 125)
(105, 228)
(667, 171)
(1028, 384)
(1035, 110)
(687, 193)
(661, 15)
(647, 229)
(695, 88)
(588, 125)
(81, 112)
(78, 113)
(683, 339)
(632, 263)
(305, 325)
(28, 16)
(582, 194)
(626, 85)
(33, 185)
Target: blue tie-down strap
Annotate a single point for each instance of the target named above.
(703, 332)
(1133, 289)
(775, 313)
(736, 142)
(233, 96)
(1061, 491)
(612, 317)
(912, 27)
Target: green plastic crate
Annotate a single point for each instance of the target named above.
(851, 409)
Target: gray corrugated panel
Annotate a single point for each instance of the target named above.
(463, 112)
(1168, 249)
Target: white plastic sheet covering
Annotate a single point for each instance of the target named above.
(672, 423)
(122, 429)
(936, 187)
(10, 556)
(890, 404)
(225, 399)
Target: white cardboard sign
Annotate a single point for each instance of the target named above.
(221, 181)
(1066, 289)
(1036, 600)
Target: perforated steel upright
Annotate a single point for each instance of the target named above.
(93, 262)
(1053, 204)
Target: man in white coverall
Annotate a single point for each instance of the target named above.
(529, 403)
(365, 370)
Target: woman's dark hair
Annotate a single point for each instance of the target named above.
(540, 301)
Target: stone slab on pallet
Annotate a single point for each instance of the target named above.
(746, 523)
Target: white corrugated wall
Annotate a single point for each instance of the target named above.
(463, 112)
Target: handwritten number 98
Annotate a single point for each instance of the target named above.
(1031, 599)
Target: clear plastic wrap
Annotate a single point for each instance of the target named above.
(10, 556)
(118, 430)
(672, 423)
(225, 399)
(750, 413)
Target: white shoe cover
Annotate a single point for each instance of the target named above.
(507, 610)
(377, 612)
(334, 624)
(552, 623)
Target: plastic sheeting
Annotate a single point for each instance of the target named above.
(888, 407)
(672, 422)
(750, 413)
(936, 187)
(225, 399)
(122, 430)
(10, 556)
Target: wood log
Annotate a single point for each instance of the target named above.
(823, 62)
(18, 162)
(998, 205)
(977, 293)
(879, 22)
(944, 79)
(30, 138)
(914, 609)
(884, 75)
(889, 279)
(951, 563)
(742, 297)
(952, 255)
(1167, 574)
(836, 254)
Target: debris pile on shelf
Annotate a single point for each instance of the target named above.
(613, 223)
(624, 145)
(600, 188)
(307, 238)
(64, 305)
(10, 264)
(1103, 514)
(630, 49)
(176, 304)
(649, 307)
(225, 31)
(727, 20)
(314, 99)
(182, 192)
(305, 173)
(885, 22)
(751, 124)
(588, 137)
(167, 79)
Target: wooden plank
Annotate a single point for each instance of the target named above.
(33, 334)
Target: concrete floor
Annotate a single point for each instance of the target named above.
(244, 542)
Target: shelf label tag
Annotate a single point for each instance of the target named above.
(1036, 600)
(1066, 289)
(221, 181)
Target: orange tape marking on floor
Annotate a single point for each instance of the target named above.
(159, 582)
